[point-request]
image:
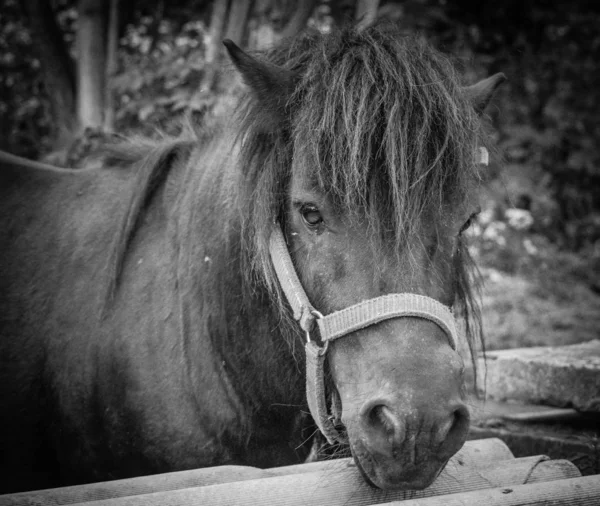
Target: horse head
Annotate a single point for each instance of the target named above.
(373, 155)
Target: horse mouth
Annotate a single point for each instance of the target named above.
(363, 473)
(383, 475)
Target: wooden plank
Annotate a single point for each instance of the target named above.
(561, 376)
(134, 486)
(584, 452)
(346, 487)
(583, 491)
(474, 454)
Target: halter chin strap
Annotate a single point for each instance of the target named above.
(341, 323)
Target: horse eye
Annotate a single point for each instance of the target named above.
(311, 216)
(468, 223)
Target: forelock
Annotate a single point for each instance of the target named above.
(383, 128)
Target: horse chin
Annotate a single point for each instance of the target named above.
(388, 474)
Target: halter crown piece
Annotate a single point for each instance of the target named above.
(341, 323)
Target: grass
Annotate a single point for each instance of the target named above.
(549, 298)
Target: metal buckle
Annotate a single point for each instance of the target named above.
(317, 315)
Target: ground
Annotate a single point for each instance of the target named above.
(541, 310)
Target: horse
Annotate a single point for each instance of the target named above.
(163, 311)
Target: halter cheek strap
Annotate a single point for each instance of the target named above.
(341, 323)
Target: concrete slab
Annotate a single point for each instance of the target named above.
(561, 376)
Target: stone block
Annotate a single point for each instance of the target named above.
(562, 376)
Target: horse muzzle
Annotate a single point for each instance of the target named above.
(397, 373)
(402, 405)
(406, 451)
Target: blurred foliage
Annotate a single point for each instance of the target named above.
(161, 76)
(547, 114)
(545, 119)
(25, 124)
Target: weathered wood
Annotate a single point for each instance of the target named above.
(563, 376)
(134, 486)
(583, 452)
(474, 454)
(583, 491)
(342, 486)
(539, 430)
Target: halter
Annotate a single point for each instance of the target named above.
(341, 323)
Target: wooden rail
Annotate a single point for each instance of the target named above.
(483, 472)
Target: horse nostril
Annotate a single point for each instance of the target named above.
(461, 417)
(380, 418)
(458, 429)
(380, 422)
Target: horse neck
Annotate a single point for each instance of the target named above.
(236, 316)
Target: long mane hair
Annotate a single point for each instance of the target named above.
(385, 131)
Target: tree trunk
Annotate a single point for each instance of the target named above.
(57, 69)
(217, 27)
(262, 34)
(111, 65)
(238, 20)
(298, 20)
(342, 12)
(268, 20)
(213, 43)
(366, 12)
(91, 62)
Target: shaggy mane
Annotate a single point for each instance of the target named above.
(151, 161)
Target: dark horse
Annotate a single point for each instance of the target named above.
(143, 328)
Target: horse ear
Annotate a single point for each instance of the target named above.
(272, 85)
(482, 92)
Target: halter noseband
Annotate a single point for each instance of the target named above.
(341, 323)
